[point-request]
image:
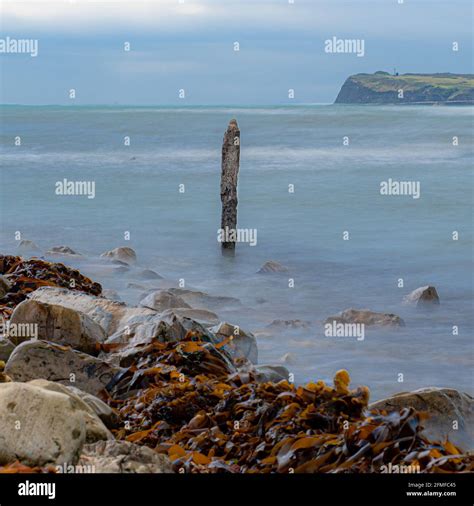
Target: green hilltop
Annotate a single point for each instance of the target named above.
(384, 88)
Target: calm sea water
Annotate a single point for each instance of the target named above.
(336, 190)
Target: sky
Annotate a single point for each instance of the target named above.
(190, 45)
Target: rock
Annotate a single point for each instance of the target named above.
(6, 348)
(52, 426)
(272, 266)
(149, 274)
(292, 324)
(58, 324)
(123, 254)
(95, 428)
(423, 296)
(111, 294)
(108, 416)
(243, 344)
(369, 318)
(39, 359)
(26, 246)
(445, 406)
(163, 300)
(202, 316)
(5, 286)
(273, 373)
(123, 457)
(110, 315)
(202, 300)
(62, 251)
(136, 286)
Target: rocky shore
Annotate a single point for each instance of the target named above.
(90, 384)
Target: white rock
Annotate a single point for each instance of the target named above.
(57, 324)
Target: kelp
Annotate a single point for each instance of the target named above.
(182, 400)
(19, 468)
(25, 276)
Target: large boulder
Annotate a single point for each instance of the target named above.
(163, 300)
(450, 413)
(5, 286)
(124, 254)
(95, 427)
(366, 317)
(123, 457)
(243, 344)
(39, 427)
(39, 359)
(422, 297)
(6, 349)
(272, 266)
(109, 314)
(58, 324)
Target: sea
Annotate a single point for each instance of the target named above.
(310, 186)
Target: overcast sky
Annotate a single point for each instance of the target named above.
(190, 46)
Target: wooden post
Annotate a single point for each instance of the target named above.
(229, 174)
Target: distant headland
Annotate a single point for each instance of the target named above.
(384, 88)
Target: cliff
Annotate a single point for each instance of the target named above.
(384, 88)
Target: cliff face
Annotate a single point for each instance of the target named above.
(383, 88)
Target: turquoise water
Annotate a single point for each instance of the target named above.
(336, 190)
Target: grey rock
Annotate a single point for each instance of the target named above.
(242, 345)
(6, 349)
(162, 300)
(272, 266)
(42, 360)
(5, 286)
(123, 457)
(52, 426)
(369, 318)
(447, 408)
(58, 324)
(124, 254)
(423, 296)
(26, 246)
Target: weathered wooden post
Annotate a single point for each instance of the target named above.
(230, 171)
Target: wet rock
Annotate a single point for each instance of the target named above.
(202, 316)
(57, 324)
(149, 274)
(242, 345)
(5, 286)
(290, 324)
(39, 359)
(52, 426)
(123, 457)
(202, 300)
(110, 315)
(124, 254)
(26, 246)
(272, 266)
(136, 286)
(95, 428)
(111, 294)
(423, 296)
(369, 318)
(6, 348)
(273, 373)
(448, 408)
(62, 251)
(163, 300)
